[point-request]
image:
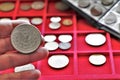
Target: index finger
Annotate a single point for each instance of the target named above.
(7, 27)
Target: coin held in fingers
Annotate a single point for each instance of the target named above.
(26, 38)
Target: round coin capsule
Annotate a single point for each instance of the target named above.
(54, 25)
(26, 38)
(49, 38)
(61, 6)
(67, 22)
(37, 5)
(96, 10)
(24, 68)
(58, 61)
(95, 39)
(107, 2)
(111, 18)
(65, 38)
(51, 46)
(84, 3)
(97, 59)
(64, 46)
(25, 6)
(7, 6)
(55, 19)
(36, 21)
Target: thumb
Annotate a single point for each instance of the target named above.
(24, 75)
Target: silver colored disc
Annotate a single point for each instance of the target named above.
(55, 19)
(38, 5)
(84, 3)
(58, 61)
(64, 46)
(95, 39)
(26, 38)
(36, 21)
(111, 18)
(51, 46)
(97, 59)
(49, 38)
(5, 19)
(54, 25)
(107, 2)
(65, 38)
(24, 68)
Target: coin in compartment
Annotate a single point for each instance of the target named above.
(58, 61)
(51, 46)
(84, 3)
(65, 46)
(50, 38)
(97, 59)
(26, 38)
(67, 22)
(25, 6)
(36, 21)
(61, 6)
(54, 26)
(111, 18)
(118, 8)
(96, 10)
(24, 67)
(38, 5)
(95, 39)
(7, 6)
(107, 2)
(55, 19)
(65, 38)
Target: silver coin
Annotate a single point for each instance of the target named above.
(24, 19)
(58, 61)
(55, 19)
(97, 59)
(26, 38)
(51, 46)
(65, 38)
(84, 3)
(64, 46)
(5, 19)
(54, 25)
(36, 21)
(110, 18)
(95, 39)
(49, 38)
(107, 2)
(24, 68)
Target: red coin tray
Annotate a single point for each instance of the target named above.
(79, 67)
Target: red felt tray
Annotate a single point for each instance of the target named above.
(79, 67)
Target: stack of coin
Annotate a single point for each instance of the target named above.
(65, 41)
(50, 44)
(7, 6)
(55, 23)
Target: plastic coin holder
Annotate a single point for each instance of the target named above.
(79, 67)
(103, 14)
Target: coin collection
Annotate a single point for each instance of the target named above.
(64, 42)
(55, 22)
(77, 50)
(103, 14)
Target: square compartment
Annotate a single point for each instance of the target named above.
(62, 28)
(83, 46)
(30, 12)
(85, 67)
(117, 62)
(71, 49)
(47, 70)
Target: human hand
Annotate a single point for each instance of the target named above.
(10, 58)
